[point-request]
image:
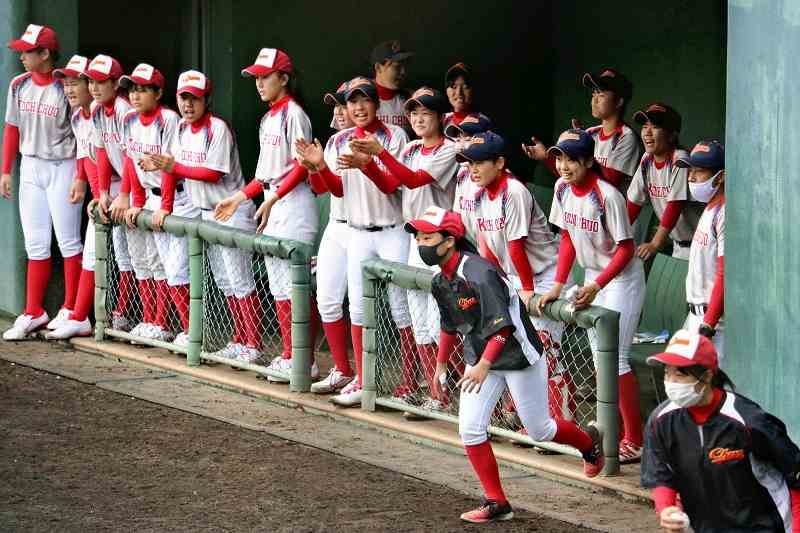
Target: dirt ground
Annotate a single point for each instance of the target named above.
(74, 457)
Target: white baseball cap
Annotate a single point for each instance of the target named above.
(195, 83)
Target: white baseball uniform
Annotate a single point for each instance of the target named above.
(596, 222)
(375, 219)
(392, 111)
(83, 129)
(708, 245)
(464, 201)
(619, 150)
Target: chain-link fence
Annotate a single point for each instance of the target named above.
(247, 303)
(399, 369)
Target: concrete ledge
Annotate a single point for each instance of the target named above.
(442, 434)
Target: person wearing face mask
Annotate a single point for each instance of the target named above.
(502, 349)
(705, 282)
(715, 460)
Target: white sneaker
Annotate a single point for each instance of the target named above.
(71, 328)
(120, 323)
(350, 396)
(432, 404)
(139, 328)
(23, 325)
(182, 340)
(334, 382)
(156, 333)
(228, 352)
(285, 366)
(245, 354)
(60, 319)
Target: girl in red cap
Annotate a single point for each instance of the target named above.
(205, 160)
(38, 127)
(289, 210)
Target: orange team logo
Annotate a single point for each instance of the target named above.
(27, 32)
(608, 73)
(656, 107)
(701, 148)
(569, 136)
(358, 82)
(477, 140)
(100, 62)
(430, 213)
(75, 61)
(192, 77)
(461, 66)
(466, 303)
(720, 456)
(424, 91)
(472, 119)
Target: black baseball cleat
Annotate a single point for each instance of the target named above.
(593, 460)
(489, 511)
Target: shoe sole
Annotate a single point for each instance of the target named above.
(498, 518)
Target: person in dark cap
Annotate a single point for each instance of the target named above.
(389, 60)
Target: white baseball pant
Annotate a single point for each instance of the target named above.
(233, 268)
(118, 240)
(680, 252)
(390, 244)
(144, 255)
(528, 388)
(173, 251)
(422, 305)
(693, 322)
(624, 294)
(332, 271)
(294, 217)
(44, 206)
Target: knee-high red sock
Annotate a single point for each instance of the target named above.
(336, 333)
(236, 318)
(427, 356)
(147, 294)
(250, 313)
(72, 278)
(37, 279)
(629, 408)
(569, 433)
(356, 333)
(283, 308)
(180, 298)
(162, 304)
(484, 463)
(408, 352)
(126, 280)
(85, 297)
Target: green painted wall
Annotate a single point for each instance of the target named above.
(763, 245)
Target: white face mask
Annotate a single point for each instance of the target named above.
(683, 394)
(704, 192)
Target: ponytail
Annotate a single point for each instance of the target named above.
(720, 380)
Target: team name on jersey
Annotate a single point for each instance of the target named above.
(701, 237)
(603, 160)
(491, 224)
(38, 108)
(111, 137)
(394, 120)
(143, 148)
(193, 157)
(585, 224)
(659, 191)
(466, 205)
(271, 139)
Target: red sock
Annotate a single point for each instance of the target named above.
(85, 298)
(336, 333)
(147, 293)
(38, 277)
(408, 352)
(72, 279)
(569, 433)
(629, 408)
(125, 287)
(283, 308)
(485, 465)
(250, 314)
(357, 332)
(162, 304)
(236, 319)
(180, 298)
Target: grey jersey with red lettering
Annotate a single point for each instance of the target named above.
(280, 127)
(42, 115)
(464, 202)
(158, 137)
(708, 244)
(620, 150)
(83, 129)
(440, 162)
(392, 113)
(108, 133)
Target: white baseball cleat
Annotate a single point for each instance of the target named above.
(285, 366)
(60, 319)
(23, 325)
(245, 354)
(71, 328)
(228, 352)
(182, 340)
(156, 333)
(120, 323)
(139, 328)
(350, 396)
(332, 383)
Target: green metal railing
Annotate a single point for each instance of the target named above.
(603, 322)
(201, 234)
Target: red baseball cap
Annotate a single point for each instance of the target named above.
(104, 67)
(74, 69)
(35, 36)
(269, 60)
(195, 83)
(436, 219)
(143, 74)
(688, 349)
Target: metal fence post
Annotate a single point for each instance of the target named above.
(300, 378)
(195, 299)
(102, 239)
(607, 331)
(369, 357)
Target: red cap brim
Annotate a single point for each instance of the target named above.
(671, 359)
(22, 46)
(96, 76)
(127, 81)
(194, 91)
(413, 226)
(257, 70)
(66, 73)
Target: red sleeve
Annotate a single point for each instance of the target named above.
(613, 176)
(135, 187)
(447, 343)
(485, 252)
(10, 146)
(292, 179)
(550, 162)
(168, 184)
(794, 494)
(664, 497)
(496, 344)
(197, 173)
(566, 257)
(90, 169)
(80, 170)
(385, 181)
(633, 211)
(317, 184)
(332, 181)
(716, 307)
(406, 176)
(522, 264)
(253, 189)
(671, 214)
(104, 170)
(618, 263)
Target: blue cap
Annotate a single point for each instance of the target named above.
(705, 154)
(486, 146)
(575, 143)
(472, 124)
(337, 98)
(364, 86)
(429, 98)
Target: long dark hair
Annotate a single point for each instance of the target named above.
(719, 381)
